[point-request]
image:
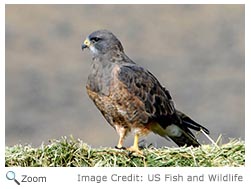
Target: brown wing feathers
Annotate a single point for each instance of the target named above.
(158, 103)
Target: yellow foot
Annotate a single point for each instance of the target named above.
(134, 149)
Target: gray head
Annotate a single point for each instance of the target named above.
(102, 42)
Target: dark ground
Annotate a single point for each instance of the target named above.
(196, 51)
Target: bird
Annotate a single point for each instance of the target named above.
(131, 98)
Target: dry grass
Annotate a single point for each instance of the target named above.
(70, 152)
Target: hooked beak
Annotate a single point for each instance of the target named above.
(86, 44)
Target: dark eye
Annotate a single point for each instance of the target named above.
(95, 39)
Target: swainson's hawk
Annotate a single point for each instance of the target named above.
(130, 97)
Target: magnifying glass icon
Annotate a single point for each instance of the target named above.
(10, 175)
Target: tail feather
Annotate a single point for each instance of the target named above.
(188, 122)
(185, 139)
(183, 135)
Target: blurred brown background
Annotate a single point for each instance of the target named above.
(196, 51)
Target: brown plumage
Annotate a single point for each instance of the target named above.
(130, 97)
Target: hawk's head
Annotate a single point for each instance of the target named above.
(102, 42)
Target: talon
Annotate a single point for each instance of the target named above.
(132, 149)
(120, 148)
